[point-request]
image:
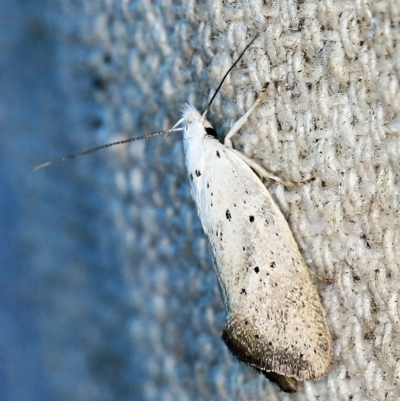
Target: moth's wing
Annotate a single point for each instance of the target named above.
(274, 318)
(286, 384)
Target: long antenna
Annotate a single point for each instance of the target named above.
(226, 74)
(63, 159)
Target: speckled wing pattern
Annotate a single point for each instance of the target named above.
(274, 318)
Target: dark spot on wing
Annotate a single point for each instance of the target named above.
(256, 269)
(228, 215)
(197, 172)
(272, 265)
(218, 154)
(243, 291)
(251, 218)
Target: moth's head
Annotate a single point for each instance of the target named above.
(191, 114)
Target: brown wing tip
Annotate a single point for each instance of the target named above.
(285, 383)
(280, 365)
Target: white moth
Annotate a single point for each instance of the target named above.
(275, 321)
(274, 318)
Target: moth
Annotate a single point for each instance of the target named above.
(275, 321)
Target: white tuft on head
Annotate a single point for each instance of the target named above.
(191, 114)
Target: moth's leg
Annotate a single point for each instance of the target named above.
(320, 278)
(242, 120)
(263, 173)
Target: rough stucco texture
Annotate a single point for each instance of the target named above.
(150, 324)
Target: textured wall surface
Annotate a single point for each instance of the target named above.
(118, 296)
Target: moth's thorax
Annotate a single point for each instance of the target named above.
(197, 142)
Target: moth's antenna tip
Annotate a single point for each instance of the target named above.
(36, 168)
(43, 165)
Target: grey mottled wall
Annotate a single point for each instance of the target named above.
(107, 289)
